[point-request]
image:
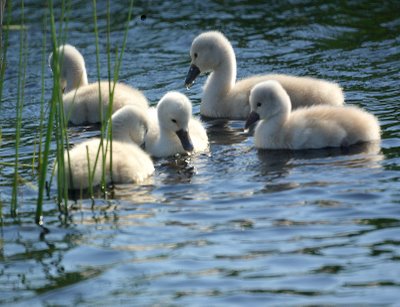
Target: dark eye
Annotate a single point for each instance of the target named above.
(195, 55)
(173, 120)
(258, 104)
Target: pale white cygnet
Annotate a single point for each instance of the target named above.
(224, 98)
(82, 100)
(130, 164)
(306, 128)
(169, 129)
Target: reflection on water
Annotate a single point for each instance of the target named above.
(236, 226)
(364, 155)
(221, 131)
(133, 193)
(177, 169)
(276, 165)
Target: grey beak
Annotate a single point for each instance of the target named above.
(184, 137)
(253, 118)
(192, 74)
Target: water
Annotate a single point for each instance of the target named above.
(238, 226)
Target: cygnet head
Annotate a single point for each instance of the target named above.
(174, 112)
(208, 51)
(72, 68)
(267, 100)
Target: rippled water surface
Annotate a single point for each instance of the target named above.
(237, 226)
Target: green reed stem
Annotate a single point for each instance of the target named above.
(20, 100)
(3, 49)
(52, 111)
(101, 145)
(3, 57)
(63, 32)
(116, 71)
(90, 178)
(61, 132)
(42, 102)
(119, 61)
(111, 93)
(2, 7)
(62, 183)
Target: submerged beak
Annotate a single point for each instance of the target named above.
(192, 74)
(184, 137)
(253, 118)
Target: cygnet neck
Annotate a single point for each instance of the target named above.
(222, 79)
(76, 77)
(275, 123)
(165, 133)
(129, 125)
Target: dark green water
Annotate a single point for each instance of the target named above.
(237, 227)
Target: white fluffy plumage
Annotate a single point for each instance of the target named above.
(83, 101)
(168, 129)
(306, 128)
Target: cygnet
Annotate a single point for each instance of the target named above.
(305, 128)
(223, 97)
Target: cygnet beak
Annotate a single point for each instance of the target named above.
(253, 118)
(192, 74)
(184, 137)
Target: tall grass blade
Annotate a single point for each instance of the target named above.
(61, 123)
(20, 101)
(2, 9)
(55, 99)
(3, 49)
(116, 72)
(3, 53)
(105, 118)
(42, 102)
(111, 92)
(101, 146)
